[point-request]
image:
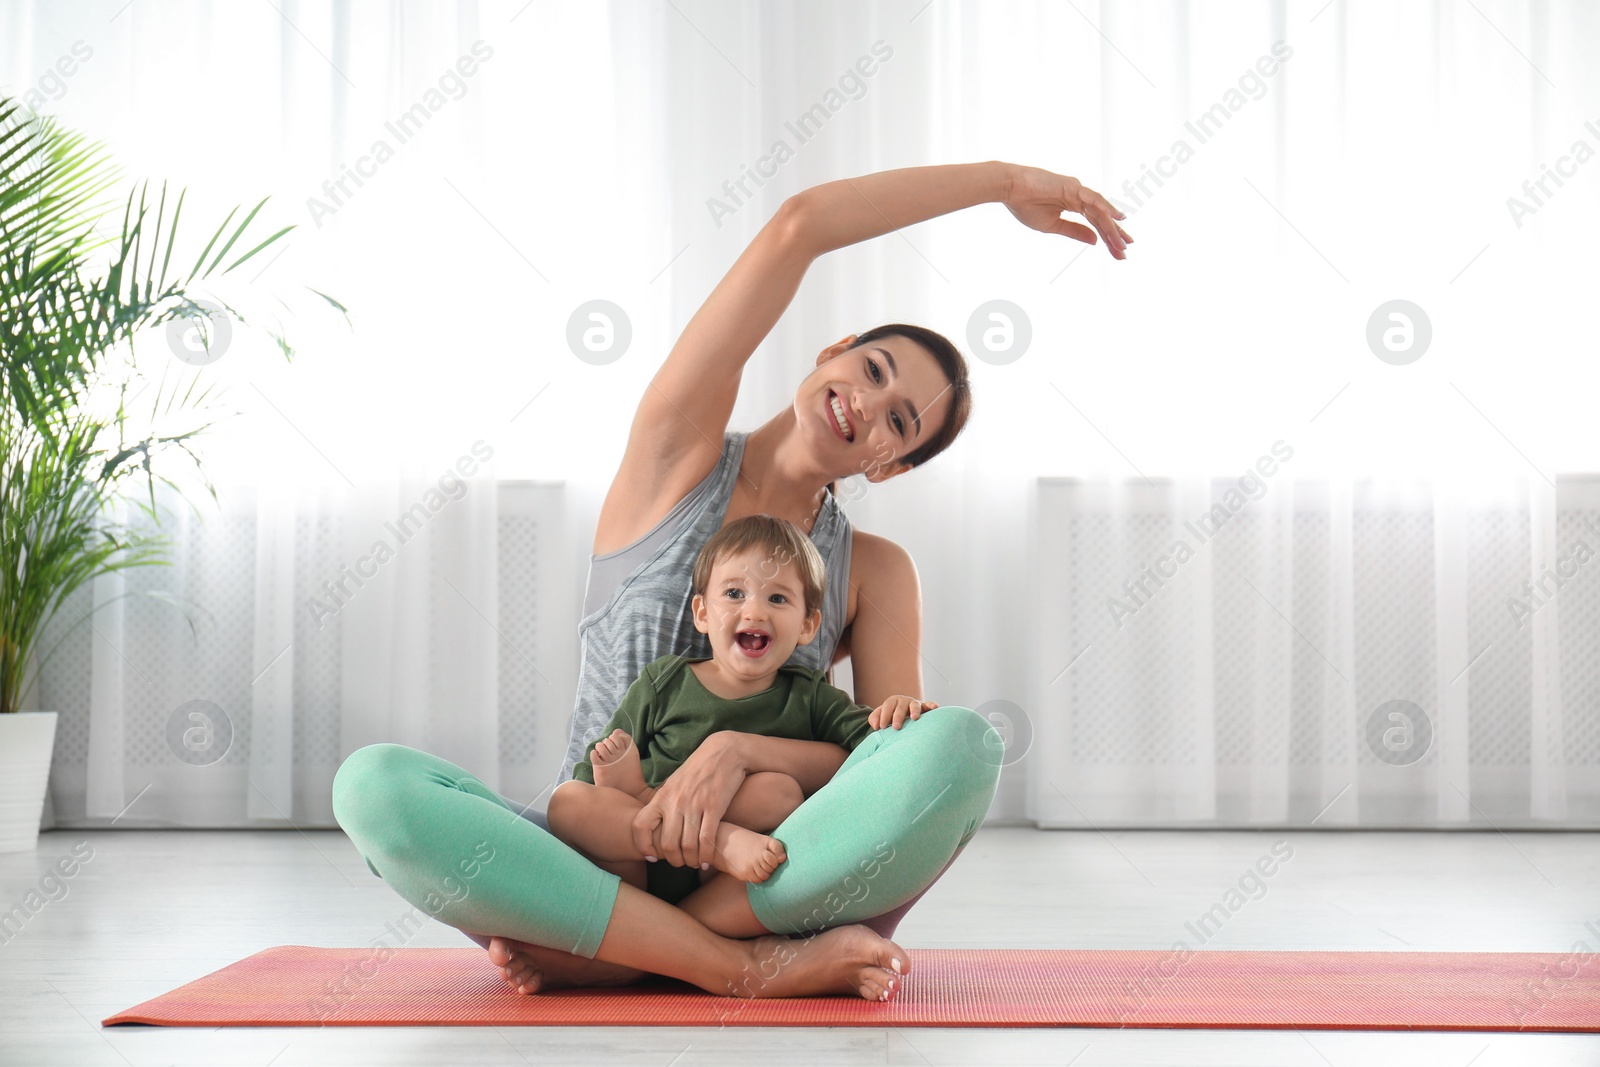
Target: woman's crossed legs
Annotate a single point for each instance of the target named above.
(866, 845)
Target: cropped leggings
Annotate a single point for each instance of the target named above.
(860, 850)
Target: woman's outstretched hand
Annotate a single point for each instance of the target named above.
(1038, 198)
(679, 823)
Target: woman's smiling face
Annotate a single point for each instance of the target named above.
(865, 407)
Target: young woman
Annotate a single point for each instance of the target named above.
(897, 811)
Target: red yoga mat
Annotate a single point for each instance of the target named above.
(1529, 991)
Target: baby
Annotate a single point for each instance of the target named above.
(758, 587)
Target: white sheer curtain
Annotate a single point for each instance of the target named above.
(1287, 169)
(1337, 653)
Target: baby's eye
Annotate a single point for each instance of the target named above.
(780, 598)
(734, 594)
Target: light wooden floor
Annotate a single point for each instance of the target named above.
(153, 910)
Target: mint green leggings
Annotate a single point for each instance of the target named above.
(862, 848)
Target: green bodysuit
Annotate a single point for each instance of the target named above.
(669, 713)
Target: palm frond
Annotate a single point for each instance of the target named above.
(67, 327)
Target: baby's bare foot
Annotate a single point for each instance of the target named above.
(845, 960)
(534, 968)
(747, 855)
(616, 763)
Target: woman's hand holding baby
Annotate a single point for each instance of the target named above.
(896, 710)
(679, 823)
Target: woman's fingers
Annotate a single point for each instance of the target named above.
(669, 836)
(1076, 230)
(645, 825)
(1114, 242)
(690, 851)
(1103, 215)
(708, 842)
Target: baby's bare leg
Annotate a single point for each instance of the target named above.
(744, 850)
(764, 800)
(598, 822)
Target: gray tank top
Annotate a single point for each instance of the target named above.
(636, 604)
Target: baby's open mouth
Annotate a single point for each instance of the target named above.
(751, 641)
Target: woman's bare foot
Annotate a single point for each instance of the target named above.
(845, 960)
(534, 968)
(616, 764)
(747, 855)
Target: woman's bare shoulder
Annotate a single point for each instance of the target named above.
(878, 565)
(878, 551)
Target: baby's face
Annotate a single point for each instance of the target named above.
(754, 612)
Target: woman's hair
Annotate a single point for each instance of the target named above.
(954, 366)
(780, 540)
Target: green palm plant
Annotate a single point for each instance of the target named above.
(72, 447)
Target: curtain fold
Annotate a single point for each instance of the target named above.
(1547, 739)
(272, 658)
(1452, 674)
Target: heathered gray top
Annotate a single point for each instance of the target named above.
(636, 604)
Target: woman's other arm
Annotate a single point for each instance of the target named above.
(886, 633)
(811, 763)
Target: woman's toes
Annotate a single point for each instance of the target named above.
(875, 987)
(889, 982)
(517, 969)
(893, 958)
(525, 979)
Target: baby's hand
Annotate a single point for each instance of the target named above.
(896, 710)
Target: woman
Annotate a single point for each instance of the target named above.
(898, 810)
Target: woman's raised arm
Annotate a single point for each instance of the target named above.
(677, 430)
(676, 436)
(854, 209)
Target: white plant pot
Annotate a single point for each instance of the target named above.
(26, 740)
